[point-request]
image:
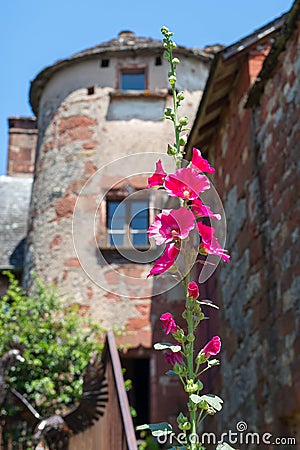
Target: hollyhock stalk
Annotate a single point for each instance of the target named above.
(172, 228)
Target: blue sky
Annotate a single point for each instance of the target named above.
(35, 34)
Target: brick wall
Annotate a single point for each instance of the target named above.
(257, 159)
(23, 135)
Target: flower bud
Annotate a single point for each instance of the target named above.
(180, 96)
(172, 80)
(191, 387)
(182, 140)
(193, 290)
(175, 61)
(171, 150)
(213, 347)
(184, 120)
(168, 112)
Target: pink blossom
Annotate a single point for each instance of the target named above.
(201, 210)
(201, 163)
(168, 323)
(173, 358)
(193, 290)
(186, 183)
(165, 261)
(171, 224)
(210, 244)
(157, 179)
(212, 347)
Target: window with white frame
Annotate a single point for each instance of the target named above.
(127, 222)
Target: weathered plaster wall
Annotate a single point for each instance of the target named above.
(75, 140)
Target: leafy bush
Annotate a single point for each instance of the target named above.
(57, 342)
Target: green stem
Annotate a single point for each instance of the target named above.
(175, 115)
(190, 358)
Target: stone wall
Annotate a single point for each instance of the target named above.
(257, 159)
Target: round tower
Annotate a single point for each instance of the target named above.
(96, 110)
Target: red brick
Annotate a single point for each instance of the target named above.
(90, 145)
(89, 293)
(56, 242)
(69, 123)
(64, 206)
(90, 168)
(137, 323)
(72, 262)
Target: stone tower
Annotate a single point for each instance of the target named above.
(95, 110)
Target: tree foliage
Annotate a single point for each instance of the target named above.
(57, 341)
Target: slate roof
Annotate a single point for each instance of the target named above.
(15, 196)
(126, 43)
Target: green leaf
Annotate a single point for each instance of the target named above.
(213, 400)
(157, 429)
(167, 346)
(171, 373)
(224, 446)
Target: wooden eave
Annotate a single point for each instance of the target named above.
(222, 77)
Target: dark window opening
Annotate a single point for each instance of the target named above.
(90, 90)
(104, 62)
(127, 222)
(158, 61)
(137, 370)
(133, 80)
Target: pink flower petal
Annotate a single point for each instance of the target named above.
(213, 347)
(210, 243)
(193, 290)
(171, 224)
(168, 323)
(173, 358)
(201, 210)
(165, 261)
(201, 163)
(186, 183)
(157, 179)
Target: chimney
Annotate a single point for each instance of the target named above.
(22, 142)
(125, 34)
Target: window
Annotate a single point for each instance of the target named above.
(133, 80)
(105, 63)
(127, 223)
(158, 61)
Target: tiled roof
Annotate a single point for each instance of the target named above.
(14, 205)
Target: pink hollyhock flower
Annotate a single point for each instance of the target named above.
(171, 224)
(165, 261)
(193, 290)
(168, 323)
(212, 347)
(201, 163)
(157, 179)
(186, 183)
(173, 358)
(201, 210)
(209, 243)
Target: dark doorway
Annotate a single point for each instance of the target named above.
(137, 370)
